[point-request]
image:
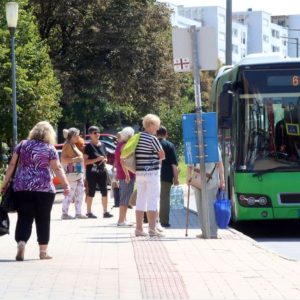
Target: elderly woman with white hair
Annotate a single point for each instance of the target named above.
(148, 155)
(125, 178)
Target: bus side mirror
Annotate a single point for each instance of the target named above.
(225, 106)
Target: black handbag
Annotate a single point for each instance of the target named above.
(4, 222)
(8, 203)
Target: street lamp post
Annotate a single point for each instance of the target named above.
(12, 20)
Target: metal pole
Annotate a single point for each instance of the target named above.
(14, 94)
(228, 32)
(204, 213)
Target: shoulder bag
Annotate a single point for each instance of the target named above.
(128, 153)
(195, 180)
(8, 202)
(73, 170)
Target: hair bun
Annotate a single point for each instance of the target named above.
(65, 133)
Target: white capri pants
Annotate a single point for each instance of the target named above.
(148, 190)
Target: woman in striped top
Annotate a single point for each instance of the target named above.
(148, 154)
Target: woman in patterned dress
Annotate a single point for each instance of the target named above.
(33, 186)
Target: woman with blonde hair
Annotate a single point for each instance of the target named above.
(148, 154)
(125, 178)
(72, 162)
(33, 186)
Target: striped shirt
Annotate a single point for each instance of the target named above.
(146, 153)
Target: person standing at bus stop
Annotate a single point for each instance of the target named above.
(169, 175)
(215, 181)
(95, 159)
(72, 162)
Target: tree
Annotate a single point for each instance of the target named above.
(38, 90)
(113, 57)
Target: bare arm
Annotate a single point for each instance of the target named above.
(221, 175)
(11, 167)
(161, 154)
(189, 173)
(67, 160)
(59, 172)
(175, 174)
(88, 161)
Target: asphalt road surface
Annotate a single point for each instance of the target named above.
(282, 237)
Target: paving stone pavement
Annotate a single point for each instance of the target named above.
(95, 259)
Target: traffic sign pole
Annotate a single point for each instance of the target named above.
(204, 213)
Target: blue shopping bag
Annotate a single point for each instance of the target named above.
(222, 207)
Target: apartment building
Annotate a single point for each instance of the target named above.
(263, 35)
(292, 39)
(252, 31)
(215, 16)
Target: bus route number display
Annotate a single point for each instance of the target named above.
(295, 80)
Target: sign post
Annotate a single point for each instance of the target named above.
(196, 67)
(204, 58)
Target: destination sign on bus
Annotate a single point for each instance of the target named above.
(295, 80)
(269, 81)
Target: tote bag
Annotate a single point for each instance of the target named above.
(128, 153)
(222, 206)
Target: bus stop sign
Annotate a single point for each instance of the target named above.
(190, 138)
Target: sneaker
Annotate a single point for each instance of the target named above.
(158, 227)
(124, 224)
(107, 215)
(91, 216)
(67, 217)
(81, 217)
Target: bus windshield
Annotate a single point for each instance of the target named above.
(268, 119)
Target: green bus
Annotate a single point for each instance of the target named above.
(258, 106)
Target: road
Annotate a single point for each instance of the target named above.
(281, 237)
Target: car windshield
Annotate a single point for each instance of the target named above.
(269, 115)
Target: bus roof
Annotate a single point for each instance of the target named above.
(258, 59)
(266, 58)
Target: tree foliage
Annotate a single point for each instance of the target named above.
(38, 90)
(114, 57)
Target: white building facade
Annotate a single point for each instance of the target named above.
(252, 31)
(263, 35)
(292, 39)
(215, 16)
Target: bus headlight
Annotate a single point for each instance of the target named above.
(251, 200)
(262, 201)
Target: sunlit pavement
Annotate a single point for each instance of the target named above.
(95, 259)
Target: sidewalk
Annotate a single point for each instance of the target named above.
(93, 259)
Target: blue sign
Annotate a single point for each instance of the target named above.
(190, 138)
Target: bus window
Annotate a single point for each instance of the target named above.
(269, 123)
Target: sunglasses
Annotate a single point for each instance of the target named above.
(96, 132)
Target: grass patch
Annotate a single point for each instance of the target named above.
(182, 170)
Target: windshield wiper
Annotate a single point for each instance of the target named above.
(262, 172)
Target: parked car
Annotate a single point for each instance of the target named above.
(108, 139)
(105, 137)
